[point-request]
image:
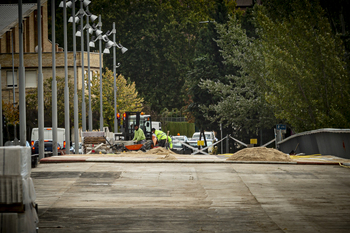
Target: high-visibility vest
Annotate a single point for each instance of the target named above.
(160, 135)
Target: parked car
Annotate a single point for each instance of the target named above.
(47, 146)
(208, 135)
(72, 148)
(194, 143)
(178, 146)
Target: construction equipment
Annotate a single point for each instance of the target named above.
(130, 119)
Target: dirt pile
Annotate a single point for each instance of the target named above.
(260, 154)
(168, 154)
(160, 151)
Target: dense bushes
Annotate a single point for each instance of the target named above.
(183, 128)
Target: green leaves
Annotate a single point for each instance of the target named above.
(306, 76)
(127, 97)
(241, 103)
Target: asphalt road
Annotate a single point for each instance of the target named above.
(175, 197)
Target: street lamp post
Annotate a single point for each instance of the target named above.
(76, 120)
(66, 90)
(100, 51)
(98, 33)
(115, 83)
(83, 105)
(123, 49)
(40, 87)
(89, 30)
(22, 90)
(54, 83)
(1, 126)
(89, 76)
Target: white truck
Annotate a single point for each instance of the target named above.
(61, 136)
(157, 125)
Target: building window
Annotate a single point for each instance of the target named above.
(10, 79)
(31, 79)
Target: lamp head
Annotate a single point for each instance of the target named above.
(86, 2)
(106, 51)
(98, 32)
(69, 4)
(124, 49)
(70, 20)
(110, 43)
(93, 18)
(91, 30)
(92, 44)
(105, 38)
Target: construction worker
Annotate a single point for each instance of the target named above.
(161, 137)
(139, 135)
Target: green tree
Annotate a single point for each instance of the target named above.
(306, 79)
(240, 101)
(127, 98)
(160, 36)
(207, 65)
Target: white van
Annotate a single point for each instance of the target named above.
(157, 125)
(61, 135)
(208, 135)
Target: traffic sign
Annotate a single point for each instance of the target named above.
(281, 127)
(253, 141)
(200, 143)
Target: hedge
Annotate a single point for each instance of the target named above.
(183, 128)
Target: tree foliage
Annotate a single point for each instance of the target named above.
(241, 102)
(10, 112)
(127, 98)
(307, 82)
(207, 65)
(32, 104)
(160, 36)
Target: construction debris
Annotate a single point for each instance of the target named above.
(260, 154)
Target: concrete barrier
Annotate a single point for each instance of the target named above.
(326, 141)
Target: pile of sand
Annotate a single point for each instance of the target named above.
(160, 151)
(260, 154)
(168, 154)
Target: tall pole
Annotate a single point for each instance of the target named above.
(115, 83)
(13, 81)
(40, 86)
(89, 75)
(54, 83)
(222, 145)
(83, 105)
(100, 45)
(76, 120)
(66, 90)
(22, 90)
(1, 126)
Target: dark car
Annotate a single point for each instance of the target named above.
(47, 147)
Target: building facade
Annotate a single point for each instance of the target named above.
(9, 51)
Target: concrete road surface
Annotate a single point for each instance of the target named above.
(175, 197)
